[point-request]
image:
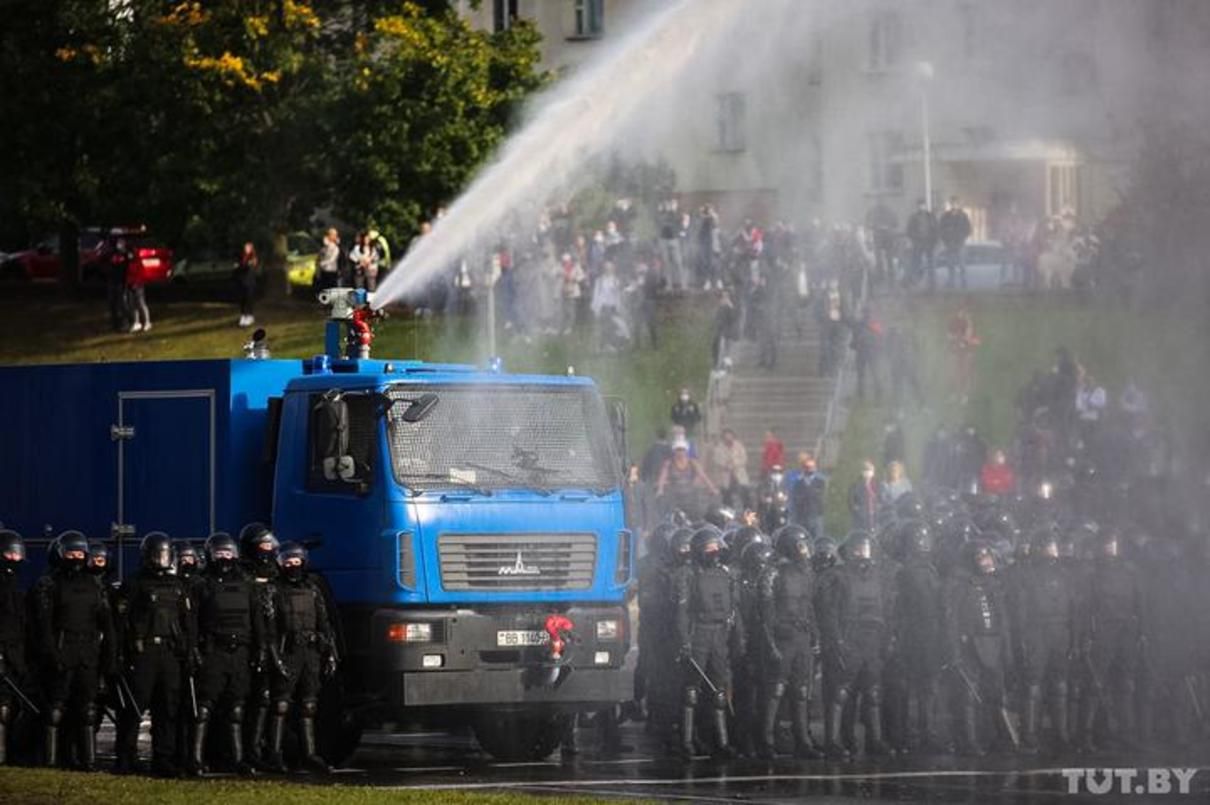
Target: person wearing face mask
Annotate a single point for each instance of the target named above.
(686, 413)
(12, 631)
(231, 636)
(708, 629)
(808, 488)
(159, 636)
(74, 631)
(863, 499)
(306, 646)
(997, 476)
(1046, 611)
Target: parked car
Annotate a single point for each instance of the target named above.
(984, 259)
(301, 252)
(43, 263)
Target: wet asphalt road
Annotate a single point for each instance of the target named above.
(441, 761)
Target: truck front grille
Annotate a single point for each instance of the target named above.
(510, 562)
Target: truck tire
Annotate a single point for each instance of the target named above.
(338, 729)
(519, 737)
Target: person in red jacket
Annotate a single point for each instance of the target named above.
(997, 476)
(774, 453)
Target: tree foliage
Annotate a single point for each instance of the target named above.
(219, 120)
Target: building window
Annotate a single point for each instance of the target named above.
(886, 41)
(886, 172)
(504, 13)
(590, 18)
(732, 110)
(1064, 183)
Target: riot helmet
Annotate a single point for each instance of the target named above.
(707, 545)
(742, 537)
(981, 557)
(187, 560)
(12, 550)
(909, 507)
(793, 543)
(292, 559)
(825, 553)
(915, 537)
(156, 550)
(222, 552)
(682, 545)
(755, 557)
(258, 544)
(98, 558)
(858, 549)
(72, 551)
(658, 540)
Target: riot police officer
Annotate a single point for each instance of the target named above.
(853, 637)
(188, 570)
(669, 692)
(706, 626)
(12, 631)
(258, 551)
(75, 635)
(787, 617)
(1111, 642)
(188, 563)
(754, 555)
(655, 620)
(230, 637)
(1046, 609)
(918, 632)
(305, 650)
(159, 626)
(979, 644)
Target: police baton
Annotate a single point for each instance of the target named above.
(967, 682)
(713, 688)
(1191, 687)
(25, 700)
(192, 696)
(124, 690)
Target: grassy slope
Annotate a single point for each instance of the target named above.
(50, 331)
(1019, 335)
(45, 787)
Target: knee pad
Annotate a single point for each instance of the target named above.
(237, 714)
(309, 708)
(1061, 688)
(720, 700)
(874, 695)
(779, 690)
(6, 713)
(802, 693)
(55, 715)
(690, 696)
(203, 713)
(90, 714)
(841, 694)
(281, 707)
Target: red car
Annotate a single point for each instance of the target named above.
(42, 263)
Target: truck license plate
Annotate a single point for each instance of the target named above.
(521, 637)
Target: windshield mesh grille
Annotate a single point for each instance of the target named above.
(510, 562)
(504, 437)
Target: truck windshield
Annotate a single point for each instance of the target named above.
(503, 437)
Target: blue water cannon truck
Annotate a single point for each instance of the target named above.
(454, 513)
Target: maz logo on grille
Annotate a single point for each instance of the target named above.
(519, 568)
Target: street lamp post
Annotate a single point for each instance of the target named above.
(925, 71)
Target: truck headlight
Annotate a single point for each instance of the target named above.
(608, 630)
(410, 632)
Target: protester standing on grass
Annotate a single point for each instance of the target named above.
(963, 342)
(327, 262)
(137, 293)
(247, 272)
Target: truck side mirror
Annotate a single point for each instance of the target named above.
(616, 409)
(420, 407)
(332, 438)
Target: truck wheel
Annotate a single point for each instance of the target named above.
(519, 737)
(338, 730)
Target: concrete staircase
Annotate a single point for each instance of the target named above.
(792, 398)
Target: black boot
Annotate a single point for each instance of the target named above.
(1088, 722)
(768, 725)
(277, 732)
(88, 747)
(197, 748)
(688, 713)
(722, 749)
(874, 745)
(50, 746)
(804, 744)
(311, 758)
(256, 736)
(1059, 716)
(1033, 706)
(5, 715)
(969, 744)
(241, 764)
(833, 747)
